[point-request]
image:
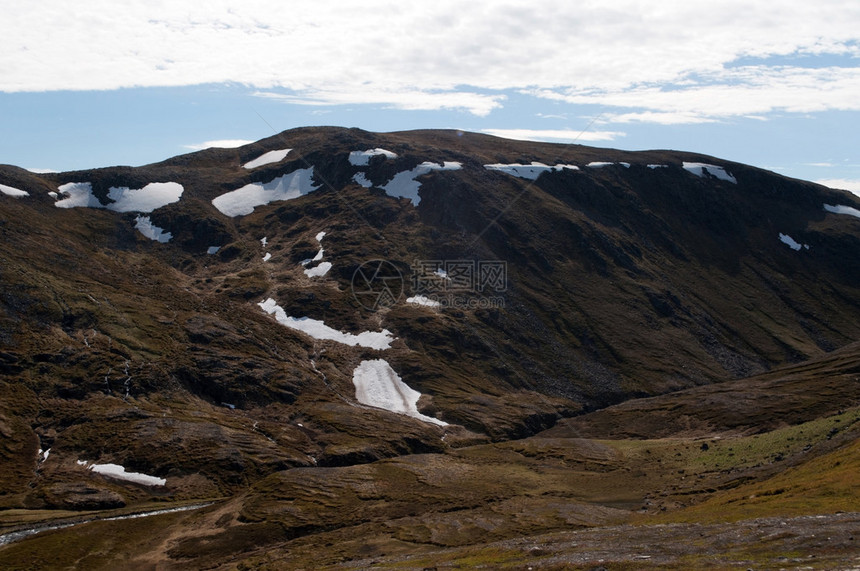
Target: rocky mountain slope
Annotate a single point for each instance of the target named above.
(334, 332)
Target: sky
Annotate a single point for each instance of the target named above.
(102, 83)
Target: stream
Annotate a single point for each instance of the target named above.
(13, 536)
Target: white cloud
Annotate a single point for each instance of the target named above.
(219, 143)
(842, 184)
(554, 135)
(671, 59)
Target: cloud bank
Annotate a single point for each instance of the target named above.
(659, 62)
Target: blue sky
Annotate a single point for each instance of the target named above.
(138, 82)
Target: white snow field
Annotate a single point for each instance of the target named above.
(152, 196)
(378, 340)
(361, 179)
(322, 268)
(791, 242)
(77, 195)
(704, 169)
(422, 300)
(118, 472)
(151, 231)
(841, 209)
(243, 200)
(404, 185)
(267, 158)
(530, 172)
(362, 158)
(377, 385)
(12, 191)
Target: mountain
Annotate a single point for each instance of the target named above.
(435, 338)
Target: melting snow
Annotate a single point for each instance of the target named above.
(598, 164)
(361, 179)
(11, 191)
(243, 201)
(530, 172)
(318, 330)
(362, 158)
(703, 169)
(43, 454)
(117, 471)
(841, 209)
(404, 185)
(213, 250)
(267, 158)
(658, 166)
(267, 257)
(153, 195)
(264, 241)
(422, 300)
(376, 384)
(322, 268)
(78, 194)
(150, 230)
(319, 270)
(791, 243)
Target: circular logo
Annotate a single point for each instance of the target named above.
(377, 284)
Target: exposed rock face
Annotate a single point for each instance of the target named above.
(82, 496)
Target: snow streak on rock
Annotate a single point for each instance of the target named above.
(703, 170)
(530, 172)
(318, 330)
(267, 158)
(244, 200)
(376, 384)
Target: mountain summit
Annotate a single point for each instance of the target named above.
(225, 322)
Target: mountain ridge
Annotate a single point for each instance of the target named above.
(614, 280)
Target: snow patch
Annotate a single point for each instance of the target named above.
(404, 185)
(362, 158)
(598, 164)
(377, 385)
(378, 340)
(791, 243)
(213, 250)
(118, 472)
(267, 158)
(319, 270)
(703, 170)
(151, 231)
(264, 241)
(267, 257)
(152, 196)
(12, 191)
(530, 172)
(422, 300)
(658, 166)
(243, 200)
(77, 195)
(43, 454)
(322, 268)
(361, 179)
(841, 209)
